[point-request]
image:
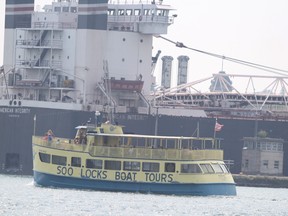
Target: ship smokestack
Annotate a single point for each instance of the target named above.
(166, 71)
(182, 69)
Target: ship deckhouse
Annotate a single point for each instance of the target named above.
(145, 19)
(72, 52)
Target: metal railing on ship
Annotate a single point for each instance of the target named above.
(139, 152)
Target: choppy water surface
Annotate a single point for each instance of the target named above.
(19, 196)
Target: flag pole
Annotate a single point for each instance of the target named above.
(215, 128)
(198, 132)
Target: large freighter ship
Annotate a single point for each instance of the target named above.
(77, 58)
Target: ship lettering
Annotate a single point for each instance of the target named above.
(95, 174)
(123, 176)
(64, 171)
(6, 110)
(158, 177)
(22, 110)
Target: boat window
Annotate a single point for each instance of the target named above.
(105, 140)
(207, 168)
(190, 168)
(94, 164)
(217, 168)
(150, 167)
(224, 168)
(169, 143)
(169, 167)
(131, 165)
(59, 160)
(76, 161)
(44, 157)
(112, 165)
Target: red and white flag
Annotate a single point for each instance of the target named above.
(218, 126)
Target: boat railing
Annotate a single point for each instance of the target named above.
(59, 143)
(52, 44)
(139, 19)
(54, 25)
(130, 151)
(156, 154)
(44, 63)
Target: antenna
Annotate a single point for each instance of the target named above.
(107, 85)
(2, 71)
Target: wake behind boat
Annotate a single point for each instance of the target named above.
(104, 158)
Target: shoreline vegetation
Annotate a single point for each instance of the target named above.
(261, 181)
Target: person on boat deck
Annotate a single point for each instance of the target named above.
(82, 137)
(50, 135)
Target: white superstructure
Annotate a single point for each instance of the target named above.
(68, 52)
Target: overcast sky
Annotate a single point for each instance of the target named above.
(251, 30)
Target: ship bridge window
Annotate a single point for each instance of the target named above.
(65, 9)
(73, 9)
(57, 9)
(207, 168)
(137, 12)
(217, 168)
(169, 167)
(121, 12)
(190, 168)
(45, 158)
(112, 165)
(161, 12)
(150, 167)
(148, 12)
(59, 160)
(93, 164)
(111, 12)
(76, 161)
(131, 166)
(129, 12)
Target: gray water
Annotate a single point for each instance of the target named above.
(19, 196)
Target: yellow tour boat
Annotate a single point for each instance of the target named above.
(104, 158)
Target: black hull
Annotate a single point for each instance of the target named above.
(18, 126)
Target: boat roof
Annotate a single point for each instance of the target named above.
(149, 136)
(81, 127)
